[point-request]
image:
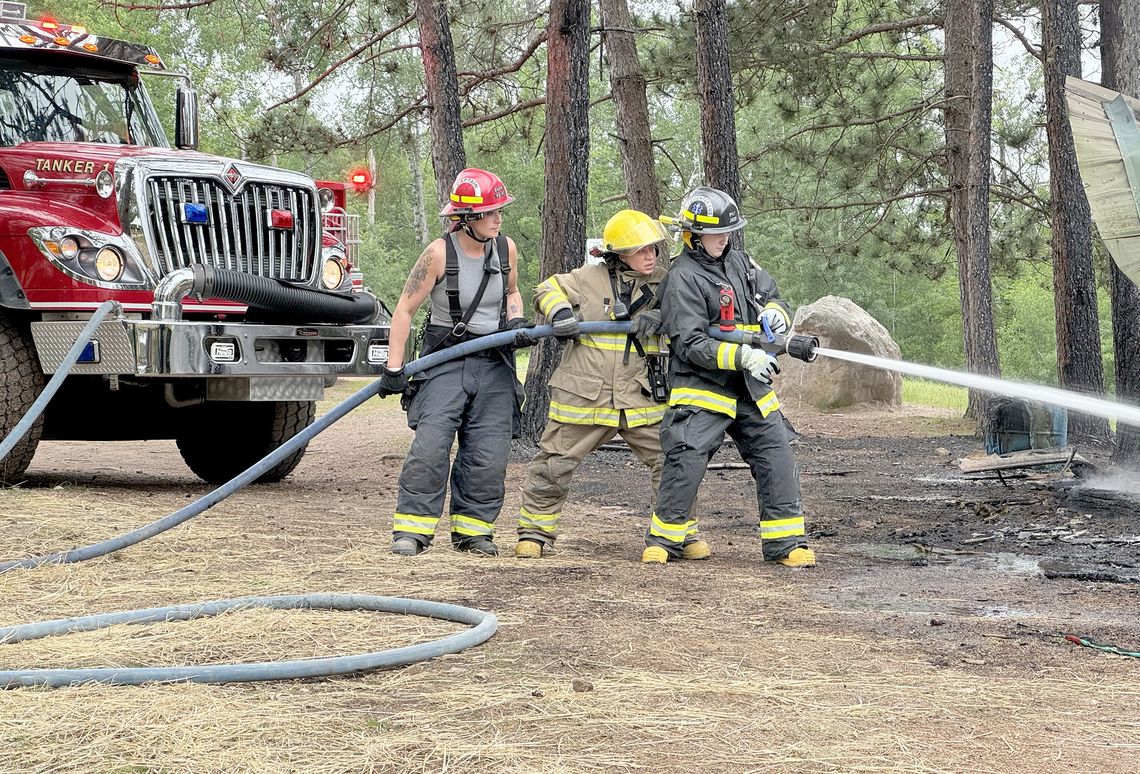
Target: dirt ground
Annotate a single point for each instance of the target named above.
(927, 639)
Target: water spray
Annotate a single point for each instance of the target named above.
(1108, 409)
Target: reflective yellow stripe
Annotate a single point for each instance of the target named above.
(701, 218)
(768, 403)
(470, 526)
(615, 342)
(552, 299)
(584, 415)
(639, 417)
(419, 525)
(780, 309)
(688, 396)
(726, 356)
(781, 528)
(674, 533)
(543, 522)
(467, 199)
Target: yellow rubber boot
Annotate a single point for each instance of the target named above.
(697, 549)
(528, 549)
(799, 557)
(654, 555)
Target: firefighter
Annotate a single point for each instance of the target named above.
(604, 385)
(717, 387)
(470, 275)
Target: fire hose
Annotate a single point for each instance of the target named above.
(485, 623)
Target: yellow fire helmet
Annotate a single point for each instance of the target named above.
(629, 230)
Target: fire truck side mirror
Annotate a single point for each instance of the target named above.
(186, 119)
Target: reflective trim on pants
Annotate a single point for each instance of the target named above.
(417, 525)
(469, 526)
(541, 522)
(676, 532)
(771, 529)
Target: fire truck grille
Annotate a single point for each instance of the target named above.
(234, 232)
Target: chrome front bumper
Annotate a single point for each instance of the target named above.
(151, 348)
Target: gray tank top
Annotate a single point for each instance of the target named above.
(486, 317)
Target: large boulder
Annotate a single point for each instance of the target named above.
(827, 383)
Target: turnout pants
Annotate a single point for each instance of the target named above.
(690, 436)
(472, 398)
(561, 451)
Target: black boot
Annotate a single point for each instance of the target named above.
(480, 545)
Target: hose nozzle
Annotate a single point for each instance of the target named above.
(802, 347)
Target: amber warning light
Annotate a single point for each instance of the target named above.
(360, 179)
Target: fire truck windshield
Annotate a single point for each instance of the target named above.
(46, 102)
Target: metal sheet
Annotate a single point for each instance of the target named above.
(1107, 143)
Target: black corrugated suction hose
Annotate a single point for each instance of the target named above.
(270, 296)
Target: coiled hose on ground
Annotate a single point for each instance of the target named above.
(484, 623)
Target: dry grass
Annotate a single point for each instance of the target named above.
(725, 666)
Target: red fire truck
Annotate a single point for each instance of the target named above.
(238, 298)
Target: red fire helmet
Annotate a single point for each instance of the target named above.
(475, 191)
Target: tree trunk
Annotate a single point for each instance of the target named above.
(1120, 71)
(1080, 366)
(627, 83)
(714, 80)
(372, 188)
(415, 167)
(567, 173)
(447, 155)
(969, 89)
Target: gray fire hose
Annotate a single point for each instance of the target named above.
(484, 623)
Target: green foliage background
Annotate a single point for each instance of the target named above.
(896, 262)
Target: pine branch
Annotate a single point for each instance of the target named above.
(865, 204)
(481, 77)
(921, 107)
(161, 6)
(344, 60)
(875, 29)
(1030, 201)
(890, 55)
(1032, 50)
(415, 107)
(516, 108)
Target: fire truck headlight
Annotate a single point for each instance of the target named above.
(332, 274)
(327, 199)
(109, 264)
(104, 184)
(69, 248)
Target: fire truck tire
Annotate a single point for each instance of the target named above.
(247, 432)
(21, 382)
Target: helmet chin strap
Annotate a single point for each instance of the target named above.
(471, 233)
(700, 248)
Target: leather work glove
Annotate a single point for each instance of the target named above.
(522, 338)
(776, 322)
(759, 363)
(393, 382)
(646, 324)
(565, 324)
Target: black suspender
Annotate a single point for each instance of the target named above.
(459, 317)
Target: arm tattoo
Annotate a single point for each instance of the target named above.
(419, 273)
